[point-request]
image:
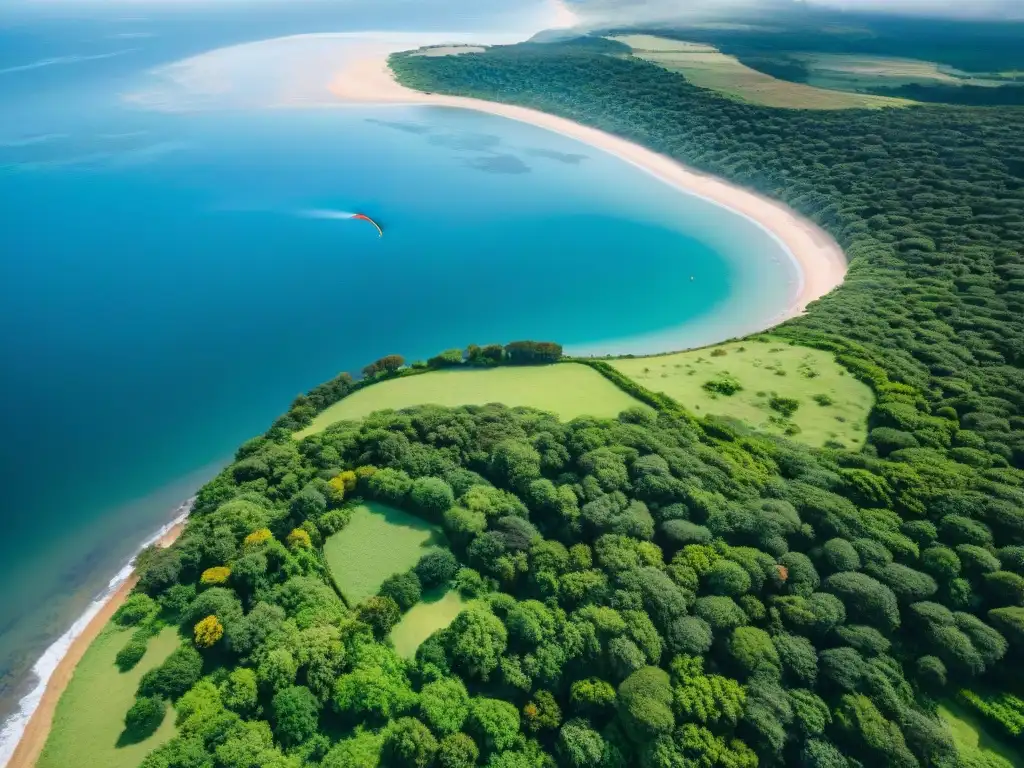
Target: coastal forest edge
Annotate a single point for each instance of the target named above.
(655, 589)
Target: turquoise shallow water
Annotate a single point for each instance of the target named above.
(165, 291)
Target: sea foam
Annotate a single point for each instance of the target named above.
(327, 213)
(43, 669)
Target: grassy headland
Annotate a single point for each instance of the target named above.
(745, 380)
(89, 720)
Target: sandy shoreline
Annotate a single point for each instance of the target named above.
(819, 258)
(38, 729)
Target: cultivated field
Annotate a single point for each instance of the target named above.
(977, 746)
(90, 714)
(567, 389)
(706, 67)
(435, 611)
(763, 370)
(377, 542)
(851, 72)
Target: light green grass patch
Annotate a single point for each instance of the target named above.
(448, 50)
(89, 717)
(435, 611)
(977, 745)
(763, 368)
(707, 67)
(378, 541)
(652, 44)
(852, 72)
(567, 389)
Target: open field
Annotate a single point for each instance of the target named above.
(706, 67)
(378, 541)
(653, 44)
(435, 611)
(449, 50)
(851, 72)
(763, 369)
(973, 739)
(90, 715)
(567, 389)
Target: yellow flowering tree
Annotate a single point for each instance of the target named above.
(348, 477)
(257, 537)
(335, 491)
(213, 576)
(299, 538)
(208, 631)
(365, 472)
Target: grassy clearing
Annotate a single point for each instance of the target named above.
(851, 72)
(567, 389)
(90, 714)
(762, 369)
(977, 745)
(378, 541)
(435, 611)
(706, 67)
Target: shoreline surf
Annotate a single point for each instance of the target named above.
(24, 733)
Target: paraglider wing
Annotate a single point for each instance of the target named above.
(364, 217)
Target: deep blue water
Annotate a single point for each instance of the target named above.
(165, 292)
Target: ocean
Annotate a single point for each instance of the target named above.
(171, 278)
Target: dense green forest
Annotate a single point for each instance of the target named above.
(653, 590)
(648, 591)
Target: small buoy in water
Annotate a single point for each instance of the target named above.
(691, 278)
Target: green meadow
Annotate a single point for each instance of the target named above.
(89, 718)
(707, 67)
(378, 541)
(435, 611)
(831, 404)
(978, 747)
(567, 389)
